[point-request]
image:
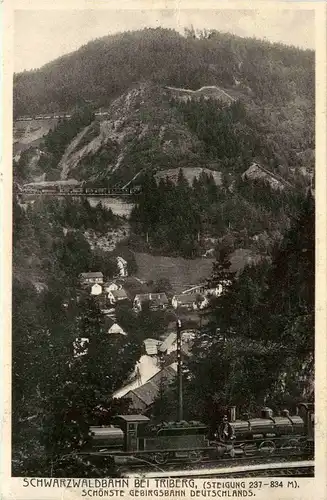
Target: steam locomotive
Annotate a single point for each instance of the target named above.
(135, 436)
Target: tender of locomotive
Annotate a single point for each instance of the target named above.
(135, 435)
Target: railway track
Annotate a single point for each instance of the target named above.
(219, 464)
(296, 468)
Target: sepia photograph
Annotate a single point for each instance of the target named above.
(163, 249)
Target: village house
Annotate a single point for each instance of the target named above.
(156, 301)
(143, 397)
(122, 267)
(209, 294)
(91, 278)
(217, 291)
(96, 289)
(187, 301)
(132, 286)
(203, 290)
(200, 289)
(170, 343)
(111, 285)
(115, 329)
(116, 296)
(151, 346)
(144, 370)
(110, 313)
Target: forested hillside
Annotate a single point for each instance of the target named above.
(109, 66)
(149, 125)
(52, 407)
(184, 219)
(259, 342)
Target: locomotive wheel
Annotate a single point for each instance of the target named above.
(161, 458)
(267, 446)
(194, 456)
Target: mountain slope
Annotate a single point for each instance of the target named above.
(109, 66)
(164, 96)
(142, 130)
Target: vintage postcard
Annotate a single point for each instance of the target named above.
(163, 269)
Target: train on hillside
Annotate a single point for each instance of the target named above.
(77, 190)
(55, 116)
(42, 117)
(135, 436)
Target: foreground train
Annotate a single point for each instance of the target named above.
(134, 435)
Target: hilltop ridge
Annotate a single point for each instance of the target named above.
(110, 65)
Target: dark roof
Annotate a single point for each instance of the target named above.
(153, 297)
(136, 403)
(111, 282)
(119, 294)
(92, 275)
(132, 286)
(134, 418)
(167, 373)
(146, 393)
(187, 299)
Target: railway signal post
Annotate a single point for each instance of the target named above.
(179, 370)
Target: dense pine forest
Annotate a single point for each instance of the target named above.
(110, 65)
(259, 343)
(177, 219)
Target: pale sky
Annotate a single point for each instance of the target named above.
(43, 35)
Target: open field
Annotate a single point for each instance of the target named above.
(180, 272)
(185, 272)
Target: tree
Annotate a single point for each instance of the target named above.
(85, 382)
(290, 299)
(164, 407)
(258, 347)
(163, 285)
(221, 272)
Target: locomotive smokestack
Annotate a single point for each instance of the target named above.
(179, 370)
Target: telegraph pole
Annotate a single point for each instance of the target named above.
(179, 370)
